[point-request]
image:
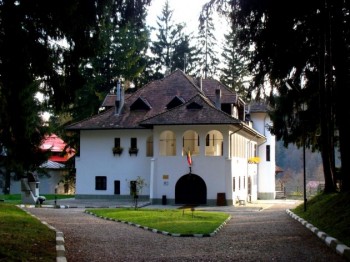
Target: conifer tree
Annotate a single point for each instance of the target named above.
(44, 46)
(172, 49)
(168, 34)
(303, 54)
(234, 70)
(208, 57)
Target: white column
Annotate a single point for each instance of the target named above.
(151, 180)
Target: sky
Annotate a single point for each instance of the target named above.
(186, 11)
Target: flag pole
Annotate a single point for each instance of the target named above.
(189, 160)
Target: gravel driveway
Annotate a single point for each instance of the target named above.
(251, 235)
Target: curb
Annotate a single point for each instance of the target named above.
(76, 206)
(60, 250)
(163, 232)
(332, 242)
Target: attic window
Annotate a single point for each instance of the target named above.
(176, 101)
(194, 105)
(140, 104)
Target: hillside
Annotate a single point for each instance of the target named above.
(291, 161)
(330, 213)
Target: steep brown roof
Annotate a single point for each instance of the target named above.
(259, 106)
(210, 85)
(109, 100)
(157, 95)
(198, 110)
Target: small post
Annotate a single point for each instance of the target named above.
(55, 196)
(136, 196)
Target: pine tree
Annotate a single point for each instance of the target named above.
(185, 55)
(44, 47)
(168, 33)
(172, 49)
(234, 70)
(207, 42)
(308, 49)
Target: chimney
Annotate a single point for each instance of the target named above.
(119, 98)
(218, 98)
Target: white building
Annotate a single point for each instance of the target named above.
(157, 126)
(51, 176)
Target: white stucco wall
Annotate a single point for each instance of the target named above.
(97, 159)
(161, 173)
(47, 183)
(212, 169)
(266, 169)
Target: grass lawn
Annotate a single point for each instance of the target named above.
(329, 213)
(175, 221)
(23, 237)
(17, 198)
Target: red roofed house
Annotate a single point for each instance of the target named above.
(148, 135)
(51, 173)
(56, 146)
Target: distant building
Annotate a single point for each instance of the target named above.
(192, 141)
(50, 174)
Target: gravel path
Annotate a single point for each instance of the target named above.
(268, 235)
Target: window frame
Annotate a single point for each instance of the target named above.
(100, 182)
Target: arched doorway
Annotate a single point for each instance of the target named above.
(191, 189)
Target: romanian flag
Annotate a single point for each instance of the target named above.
(189, 158)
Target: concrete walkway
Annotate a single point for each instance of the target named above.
(113, 203)
(259, 231)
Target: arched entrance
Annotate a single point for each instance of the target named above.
(190, 189)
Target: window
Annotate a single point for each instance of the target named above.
(268, 153)
(234, 184)
(239, 183)
(167, 144)
(190, 142)
(133, 150)
(133, 142)
(176, 101)
(214, 143)
(101, 183)
(117, 142)
(140, 104)
(117, 187)
(207, 140)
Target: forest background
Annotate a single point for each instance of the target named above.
(295, 58)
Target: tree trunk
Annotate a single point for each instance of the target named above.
(7, 186)
(326, 114)
(341, 54)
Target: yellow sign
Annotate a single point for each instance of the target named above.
(254, 160)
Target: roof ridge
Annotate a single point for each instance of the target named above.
(90, 117)
(203, 98)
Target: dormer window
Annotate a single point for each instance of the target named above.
(227, 108)
(140, 104)
(176, 101)
(194, 105)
